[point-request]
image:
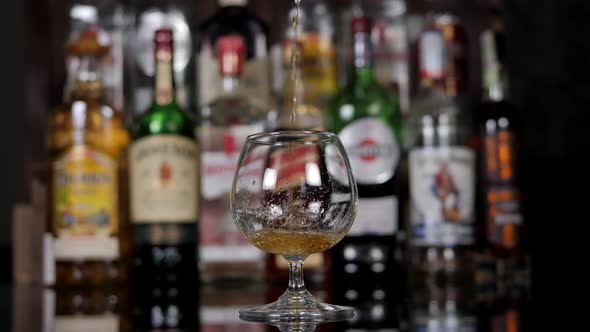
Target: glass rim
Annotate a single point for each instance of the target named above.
(307, 136)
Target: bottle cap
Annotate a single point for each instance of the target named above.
(360, 24)
(87, 44)
(231, 54)
(163, 39)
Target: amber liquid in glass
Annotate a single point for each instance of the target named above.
(285, 242)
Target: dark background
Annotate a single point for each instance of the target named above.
(549, 61)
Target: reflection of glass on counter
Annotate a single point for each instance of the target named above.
(219, 308)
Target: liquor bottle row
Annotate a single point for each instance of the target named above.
(438, 188)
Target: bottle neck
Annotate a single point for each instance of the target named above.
(493, 74)
(164, 86)
(88, 84)
(362, 58)
(230, 84)
(495, 92)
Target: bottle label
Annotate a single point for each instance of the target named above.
(372, 149)
(375, 216)
(104, 323)
(504, 215)
(255, 78)
(220, 238)
(86, 217)
(432, 55)
(164, 180)
(442, 186)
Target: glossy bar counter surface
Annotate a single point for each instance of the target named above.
(437, 307)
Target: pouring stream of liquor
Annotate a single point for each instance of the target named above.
(295, 70)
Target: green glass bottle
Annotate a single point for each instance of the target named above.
(367, 118)
(163, 163)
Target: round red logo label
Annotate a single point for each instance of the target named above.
(368, 150)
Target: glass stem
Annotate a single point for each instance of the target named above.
(296, 283)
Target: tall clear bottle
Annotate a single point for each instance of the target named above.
(233, 18)
(223, 127)
(164, 173)
(367, 118)
(86, 143)
(441, 173)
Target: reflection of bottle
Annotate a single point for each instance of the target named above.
(87, 310)
(165, 307)
(86, 143)
(234, 18)
(439, 308)
(223, 127)
(366, 117)
(377, 307)
(163, 165)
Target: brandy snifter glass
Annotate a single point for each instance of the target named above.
(294, 195)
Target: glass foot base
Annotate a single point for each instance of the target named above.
(297, 308)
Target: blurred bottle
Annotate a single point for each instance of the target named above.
(113, 21)
(220, 305)
(390, 39)
(234, 18)
(441, 173)
(85, 310)
(316, 58)
(224, 125)
(366, 117)
(498, 122)
(164, 194)
(88, 199)
(151, 16)
(442, 16)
